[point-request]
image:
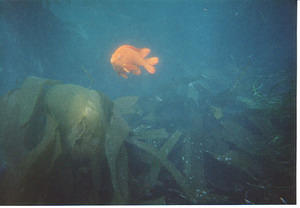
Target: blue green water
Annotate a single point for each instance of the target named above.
(236, 56)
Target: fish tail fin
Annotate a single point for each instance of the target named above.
(150, 62)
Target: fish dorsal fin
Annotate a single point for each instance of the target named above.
(144, 52)
(131, 47)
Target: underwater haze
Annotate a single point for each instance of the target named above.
(215, 123)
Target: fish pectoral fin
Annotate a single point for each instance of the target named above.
(131, 67)
(126, 70)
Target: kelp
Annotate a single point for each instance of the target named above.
(18, 108)
(62, 143)
(151, 136)
(160, 159)
(117, 157)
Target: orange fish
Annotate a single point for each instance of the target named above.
(128, 59)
